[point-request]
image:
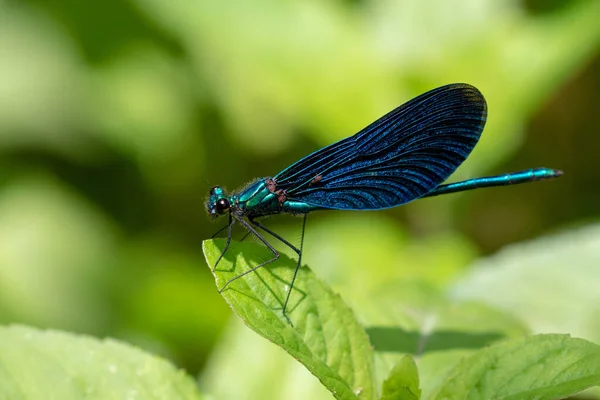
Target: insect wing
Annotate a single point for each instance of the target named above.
(398, 158)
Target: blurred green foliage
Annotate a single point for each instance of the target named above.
(61, 365)
(116, 117)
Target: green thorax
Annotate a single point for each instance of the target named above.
(262, 197)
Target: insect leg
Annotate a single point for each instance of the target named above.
(220, 230)
(225, 227)
(245, 236)
(231, 222)
(262, 239)
(299, 252)
(276, 236)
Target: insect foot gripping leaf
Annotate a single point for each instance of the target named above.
(325, 335)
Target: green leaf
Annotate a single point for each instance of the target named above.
(259, 368)
(419, 319)
(535, 367)
(403, 381)
(325, 337)
(435, 367)
(550, 283)
(38, 364)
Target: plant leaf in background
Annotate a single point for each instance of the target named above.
(245, 366)
(535, 367)
(550, 283)
(52, 364)
(417, 319)
(403, 382)
(325, 337)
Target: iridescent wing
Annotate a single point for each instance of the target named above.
(400, 157)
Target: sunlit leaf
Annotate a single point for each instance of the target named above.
(325, 336)
(536, 367)
(418, 319)
(550, 283)
(259, 369)
(51, 364)
(403, 382)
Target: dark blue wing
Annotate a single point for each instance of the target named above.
(398, 158)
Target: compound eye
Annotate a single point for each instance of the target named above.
(222, 205)
(213, 189)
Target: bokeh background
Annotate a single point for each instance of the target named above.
(116, 117)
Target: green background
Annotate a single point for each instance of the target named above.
(116, 117)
